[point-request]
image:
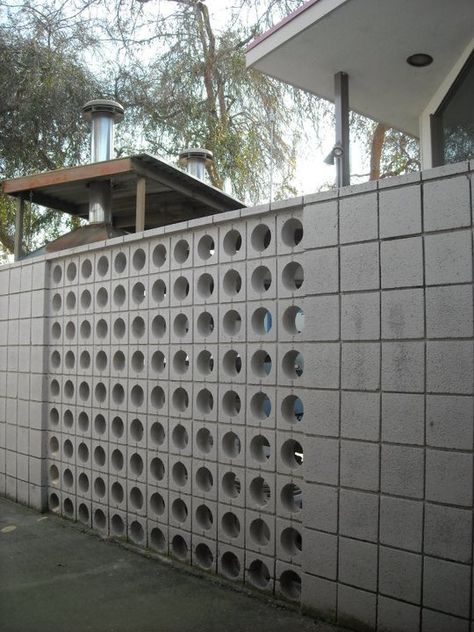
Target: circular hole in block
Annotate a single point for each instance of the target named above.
(139, 259)
(261, 321)
(53, 502)
(86, 299)
(157, 397)
(83, 421)
(54, 388)
(293, 364)
(179, 473)
(179, 548)
(68, 419)
(70, 330)
(204, 440)
(101, 361)
(205, 362)
(206, 247)
(136, 498)
(100, 520)
(230, 565)
(157, 504)
(137, 396)
(71, 271)
(231, 445)
(68, 506)
(261, 237)
(179, 510)
(158, 291)
(290, 585)
(138, 327)
(205, 401)
(205, 324)
(181, 288)
(261, 406)
(157, 433)
(258, 574)
(293, 276)
(181, 362)
(204, 517)
(292, 498)
(292, 409)
(261, 363)
(84, 362)
(70, 360)
(157, 540)
(203, 556)
(180, 399)
(100, 392)
(260, 532)
(205, 285)
(117, 460)
(204, 479)
(158, 327)
(57, 274)
(83, 452)
(232, 363)
(231, 485)
(157, 469)
(54, 474)
(69, 389)
(117, 493)
(54, 417)
(181, 251)
(181, 325)
(261, 279)
(293, 320)
(57, 302)
(118, 361)
(159, 255)
(136, 430)
(56, 331)
(120, 262)
(99, 487)
(70, 300)
(119, 296)
(83, 482)
(68, 478)
(55, 359)
(260, 491)
(117, 525)
(180, 437)
(158, 362)
(102, 297)
(117, 427)
(102, 266)
(232, 322)
(232, 242)
(137, 533)
(99, 456)
(83, 513)
(230, 525)
(85, 330)
(260, 449)
(232, 282)
(102, 328)
(136, 464)
(86, 268)
(292, 232)
(292, 453)
(138, 293)
(231, 403)
(100, 425)
(291, 541)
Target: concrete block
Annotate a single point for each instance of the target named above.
(231, 444)
(403, 313)
(321, 460)
(260, 406)
(448, 258)
(287, 582)
(262, 323)
(360, 465)
(231, 481)
(320, 365)
(321, 554)
(260, 449)
(402, 262)
(324, 275)
(319, 597)
(231, 562)
(360, 316)
(400, 211)
(360, 366)
(438, 622)
(400, 574)
(13, 307)
(261, 236)
(288, 541)
(261, 363)
(360, 267)
(232, 323)
(449, 477)
(260, 571)
(322, 318)
(448, 533)
(446, 586)
(358, 515)
(232, 242)
(449, 421)
(180, 511)
(260, 530)
(289, 497)
(206, 246)
(397, 616)
(293, 274)
(403, 418)
(323, 418)
(358, 563)
(446, 203)
(262, 280)
(449, 367)
(403, 366)
(358, 219)
(320, 224)
(205, 483)
(402, 471)
(320, 508)
(449, 311)
(360, 415)
(232, 403)
(260, 490)
(159, 254)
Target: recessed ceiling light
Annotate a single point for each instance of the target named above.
(420, 60)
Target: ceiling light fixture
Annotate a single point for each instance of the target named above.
(420, 60)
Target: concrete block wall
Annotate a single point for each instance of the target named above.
(282, 396)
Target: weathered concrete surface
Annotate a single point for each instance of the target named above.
(53, 577)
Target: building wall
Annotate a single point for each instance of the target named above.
(201, 459)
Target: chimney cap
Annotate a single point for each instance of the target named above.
(103, 106)
(197, 152)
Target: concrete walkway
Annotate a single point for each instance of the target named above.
(56, 578)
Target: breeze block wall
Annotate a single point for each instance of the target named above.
(282, 396)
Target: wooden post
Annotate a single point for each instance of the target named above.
(20, 211)
(140, 210)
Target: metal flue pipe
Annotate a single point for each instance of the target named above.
(195, 160)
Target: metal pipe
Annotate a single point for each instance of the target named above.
(196, 160)
(341, 148)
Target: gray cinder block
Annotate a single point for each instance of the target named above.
(360, 366)
(449, 421)
(397, 616)
(448, 258)
(403, 313)
(358, 218)
(320, 224)
(446, 586)
(402, 262)
(403, 366)
(360, 415)
(356, 607)
(321, 553)
(358, 515)
(400, 211)
(446, 203)
(360, 316)
(321, 460)
(360, 465)
(449, 477)
(449, 367)
(400, 574)
(322, 271)
(448, 533)
(321, 318)
(360, 267)
(402, 471)
(320, 508)
(449, 311)
(358, 563)
(403, 418)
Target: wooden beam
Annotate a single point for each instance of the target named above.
(20, 211)
(54, 203)
(140, 205)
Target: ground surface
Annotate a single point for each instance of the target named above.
(55, 578)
